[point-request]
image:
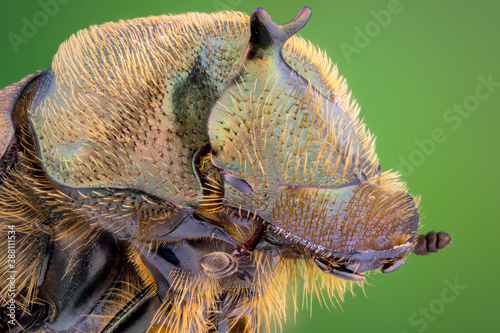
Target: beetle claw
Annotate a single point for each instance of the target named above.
(240, 253)
(339, 271)
(389, 268)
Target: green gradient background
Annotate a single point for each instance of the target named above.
(428, 58)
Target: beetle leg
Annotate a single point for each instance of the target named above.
(136, 315)
(245, 250)
(240, 252)
(229, 317)
(338, 271)
(255, 239)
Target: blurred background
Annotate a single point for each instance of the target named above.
(427, 76)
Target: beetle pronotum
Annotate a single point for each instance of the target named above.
(171, 173)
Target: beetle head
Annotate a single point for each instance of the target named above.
(295, 154)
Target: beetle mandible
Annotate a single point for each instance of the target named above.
(172, 173)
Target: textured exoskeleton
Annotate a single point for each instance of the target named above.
(173, 173)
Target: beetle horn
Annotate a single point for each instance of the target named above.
(265, 33)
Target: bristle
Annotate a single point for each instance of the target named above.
(313, 64)
(32, 236)
(140, 269)
(187, 300)
(274, 279)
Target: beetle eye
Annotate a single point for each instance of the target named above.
(238, 184)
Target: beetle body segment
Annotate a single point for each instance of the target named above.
(126, 105)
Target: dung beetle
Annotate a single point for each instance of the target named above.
(175, 173)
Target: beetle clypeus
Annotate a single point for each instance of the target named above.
(170, 174)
